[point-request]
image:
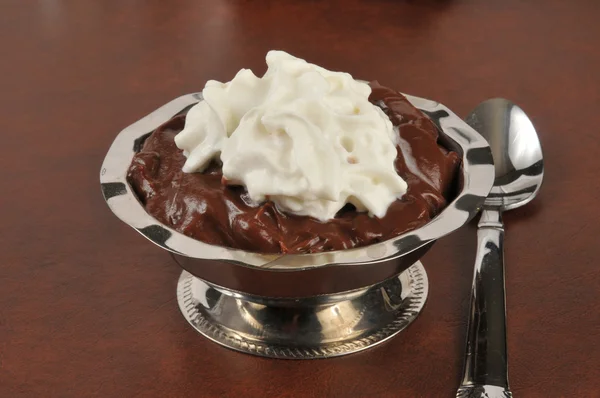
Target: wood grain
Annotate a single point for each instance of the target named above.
(87, 306)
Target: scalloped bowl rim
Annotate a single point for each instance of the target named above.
(477, 172)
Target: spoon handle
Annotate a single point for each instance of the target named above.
(485, 369)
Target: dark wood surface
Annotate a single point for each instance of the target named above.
(87, 306)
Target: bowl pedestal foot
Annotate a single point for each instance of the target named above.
(306, 328)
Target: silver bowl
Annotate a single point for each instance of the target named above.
(301, 306)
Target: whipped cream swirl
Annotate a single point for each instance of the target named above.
(306, 138)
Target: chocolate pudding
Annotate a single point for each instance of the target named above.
(206, 207)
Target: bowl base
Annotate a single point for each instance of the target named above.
(316, 327)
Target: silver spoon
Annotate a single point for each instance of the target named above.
(519, 172)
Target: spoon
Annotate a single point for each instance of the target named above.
(519, 172)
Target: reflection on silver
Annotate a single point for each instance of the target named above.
(295, 329)
(312, 279)
(519, 171)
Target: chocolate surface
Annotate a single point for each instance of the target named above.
(200, 206)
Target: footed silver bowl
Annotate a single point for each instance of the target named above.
(301, 306)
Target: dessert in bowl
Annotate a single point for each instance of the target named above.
(297, 203)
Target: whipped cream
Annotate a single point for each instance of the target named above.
(306, 138)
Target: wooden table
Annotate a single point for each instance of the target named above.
(87, 306)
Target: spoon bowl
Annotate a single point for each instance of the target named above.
(516, 150)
